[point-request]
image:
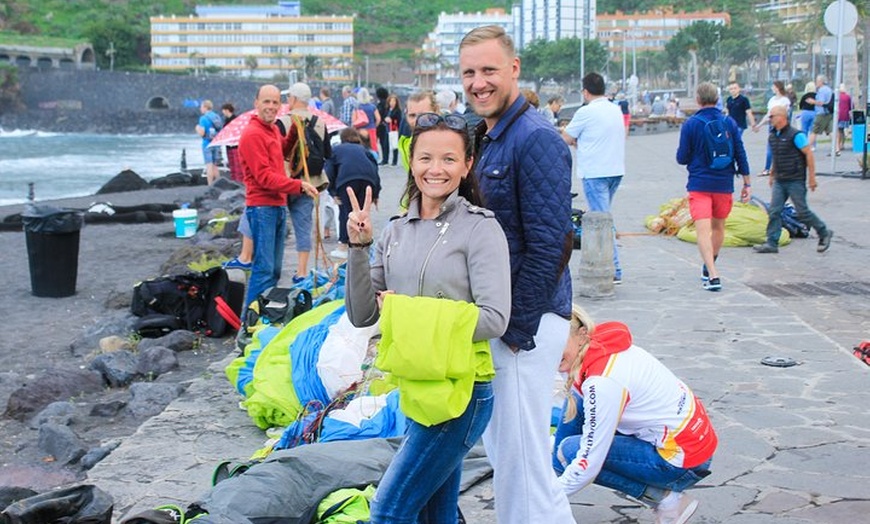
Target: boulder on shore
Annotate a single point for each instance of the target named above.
(126, 180)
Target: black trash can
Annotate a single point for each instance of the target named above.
(52, 249)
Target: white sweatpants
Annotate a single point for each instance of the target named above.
(517, 440)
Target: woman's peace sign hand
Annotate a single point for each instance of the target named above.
(359, 221)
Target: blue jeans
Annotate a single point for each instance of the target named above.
(768, 157)
(781, 191)
(807, 118)
(268, 229)
(599, 196)
(632, 465)
(421, 485)
(301, 207)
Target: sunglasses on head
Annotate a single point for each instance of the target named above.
(454, 122)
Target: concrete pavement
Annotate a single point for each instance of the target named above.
(793, 441)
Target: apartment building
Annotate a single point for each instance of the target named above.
(552, 20)
(255, 40)
(789, 11)
(650, 30)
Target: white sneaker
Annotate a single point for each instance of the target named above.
(338, 253)
(677, 512)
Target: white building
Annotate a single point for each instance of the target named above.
(439, 60)
(255, 40)
(552, 20)
(650, 30)
(790, 11)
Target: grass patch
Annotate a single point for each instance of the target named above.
(39, 40)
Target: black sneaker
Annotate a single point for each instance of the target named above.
(705, 275)
(825, 241)
(765, 248)
(714, 284)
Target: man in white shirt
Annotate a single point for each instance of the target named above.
(598, 132)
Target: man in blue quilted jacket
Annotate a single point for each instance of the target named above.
(524, 171)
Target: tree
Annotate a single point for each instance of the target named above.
(10, 89)
(312, 67)
(251, 64)
(560, 60)
(113, 30)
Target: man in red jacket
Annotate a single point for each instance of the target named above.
(267, 187)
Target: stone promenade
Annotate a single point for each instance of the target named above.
(793, 441)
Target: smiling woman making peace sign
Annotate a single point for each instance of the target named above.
(449, 248)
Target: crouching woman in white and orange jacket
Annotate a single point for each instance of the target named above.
(629, 424)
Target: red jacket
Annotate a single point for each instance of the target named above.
(260, 148)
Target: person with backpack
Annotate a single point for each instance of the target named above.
(712, 151)
(207, 127)
(794, 168)
(824, 103)
(267, 187)
(304, 158)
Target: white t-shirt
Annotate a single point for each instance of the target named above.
(599, 130)
(778, 100)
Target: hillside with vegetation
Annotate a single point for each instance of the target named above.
(383, 27)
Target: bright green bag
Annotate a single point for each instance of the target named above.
(345, 506)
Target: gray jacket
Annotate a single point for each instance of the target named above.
(461, 255)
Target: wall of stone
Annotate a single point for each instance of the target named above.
(121, 102)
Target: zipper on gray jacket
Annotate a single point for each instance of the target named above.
(429, 254)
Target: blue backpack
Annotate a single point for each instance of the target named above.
(720, 147)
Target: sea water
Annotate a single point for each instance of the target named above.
(64, 165)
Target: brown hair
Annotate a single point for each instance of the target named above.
(468, 187)
(532, 97)
(398, 102)
(350, 135)
(780, 87)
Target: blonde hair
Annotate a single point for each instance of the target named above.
(363, 96)
(579, 319)
(486, 33)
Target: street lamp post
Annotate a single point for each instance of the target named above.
(633, 55)
(624, 36)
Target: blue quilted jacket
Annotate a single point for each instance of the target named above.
(524, 170)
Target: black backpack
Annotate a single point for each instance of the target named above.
(829, 105)
(188, 301)
(316, 150)
(278, 306)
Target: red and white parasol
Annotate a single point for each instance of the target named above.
(230, 134)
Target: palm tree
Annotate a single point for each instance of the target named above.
(251, 64)
(312, 67)
(764, 22)
(787, 35)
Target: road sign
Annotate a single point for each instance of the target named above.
(832, 17)
(829, 45)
